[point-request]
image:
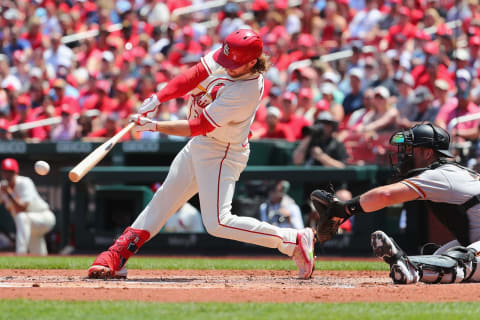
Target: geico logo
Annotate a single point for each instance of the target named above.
(13, 147)
(73, 147)
(140, 146)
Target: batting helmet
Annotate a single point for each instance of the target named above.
(239, 47)
(10, 164)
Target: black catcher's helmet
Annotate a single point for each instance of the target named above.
(424, 135)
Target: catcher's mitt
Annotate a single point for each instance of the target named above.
(330, 214)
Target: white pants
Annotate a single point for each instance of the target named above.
(31, 229)
(211, 168)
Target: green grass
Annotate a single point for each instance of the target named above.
(72, 262)
(38, 310)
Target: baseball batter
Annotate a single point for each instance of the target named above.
(451, 191)
(225, 90)
(32, 215)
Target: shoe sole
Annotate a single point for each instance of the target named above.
(100, 272)
(381, 245)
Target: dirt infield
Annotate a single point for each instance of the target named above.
(226, 286)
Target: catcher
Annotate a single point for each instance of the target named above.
(426, 172)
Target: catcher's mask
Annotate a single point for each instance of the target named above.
(424, 135)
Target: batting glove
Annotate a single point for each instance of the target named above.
(143, 123)
(149, 106)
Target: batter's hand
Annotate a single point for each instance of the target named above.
(143, 123)
(149, 106)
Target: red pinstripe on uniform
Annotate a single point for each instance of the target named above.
(218, 205)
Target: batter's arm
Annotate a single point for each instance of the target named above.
(184, 128)
(183, 83)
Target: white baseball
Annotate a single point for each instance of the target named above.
(42, 167)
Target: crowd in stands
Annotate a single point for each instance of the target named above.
(363, 68)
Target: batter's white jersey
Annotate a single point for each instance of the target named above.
(229, 104)
(210, 165)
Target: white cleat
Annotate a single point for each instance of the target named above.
(303, 255)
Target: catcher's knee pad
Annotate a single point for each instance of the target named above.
(455, 265)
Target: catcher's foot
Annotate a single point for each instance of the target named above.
(303, 255)
(401, 271)
(107, 266)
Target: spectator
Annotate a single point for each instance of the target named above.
(365, 21)
(280, 209)
(305, 104)
(354, 99)
(67, 128)
(274, 129)
(84, 127)
(320, 147)
(32, 215)
(405, 83)
(336, 109)
(60, 98)
(460, 107)
(441, 93)
(185, 47)
(108, 130)
(349, 132)
(57, 52)
(381, 119)
(295, 122)
(424, 111)
(385, 76)
(100, 99)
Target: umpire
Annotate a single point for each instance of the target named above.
(426, 172)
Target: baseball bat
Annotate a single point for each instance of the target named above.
(81, 169)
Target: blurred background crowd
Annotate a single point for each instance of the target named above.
(345, 74)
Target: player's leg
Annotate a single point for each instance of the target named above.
(447, 246)
(216, 178)
(456, 264)
(179, 186)
(37, 245)
(40, 224)
(401, 271)
(474, 275)
(22, 239)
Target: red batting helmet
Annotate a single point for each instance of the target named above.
(10, 164)
(239, 47)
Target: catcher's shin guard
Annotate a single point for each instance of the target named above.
(457, 264)
(110, 264)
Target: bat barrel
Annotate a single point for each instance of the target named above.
(81, 169)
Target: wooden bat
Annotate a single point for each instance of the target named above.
(81, 169)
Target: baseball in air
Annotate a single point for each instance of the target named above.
(42, 167)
